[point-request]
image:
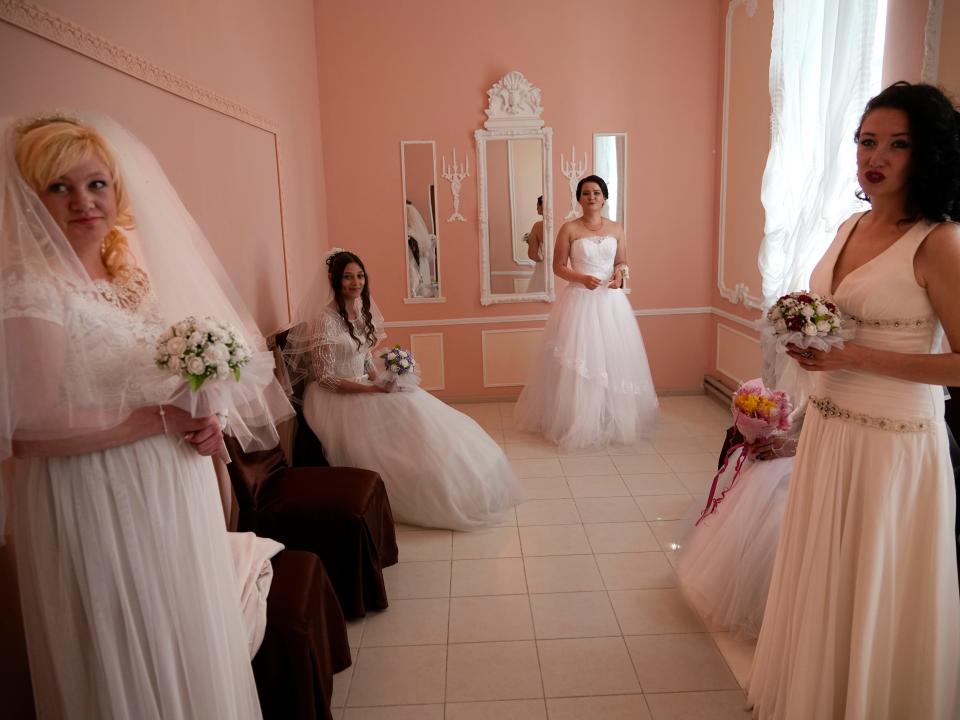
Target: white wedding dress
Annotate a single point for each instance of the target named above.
(863, 617)
(128, 592)
(590, 384)
(439, 466)
(726, 561)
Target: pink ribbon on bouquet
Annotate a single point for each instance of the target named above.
(712, 499)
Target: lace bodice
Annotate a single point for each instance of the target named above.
(594, 255)
(107, 346)
(335, 355)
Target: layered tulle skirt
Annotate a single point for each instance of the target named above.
(590, 384)
(863, 617)
(440, 468)
(727, 560)
(130, 603)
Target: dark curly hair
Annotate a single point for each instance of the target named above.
(933, 187)
(594, 179)
(336, 264)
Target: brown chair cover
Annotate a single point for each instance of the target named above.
(342, 515)
(305, 642)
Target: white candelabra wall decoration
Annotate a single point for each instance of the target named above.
(455, 173)
(573, 171)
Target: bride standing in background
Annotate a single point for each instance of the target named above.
(590, 384)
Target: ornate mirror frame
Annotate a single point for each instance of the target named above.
(513, 113)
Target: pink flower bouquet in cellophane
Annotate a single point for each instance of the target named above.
(758, 414)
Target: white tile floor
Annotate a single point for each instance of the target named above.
(569, 607)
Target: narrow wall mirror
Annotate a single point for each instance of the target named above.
(515, 189)
(610, 163)
(421, 249)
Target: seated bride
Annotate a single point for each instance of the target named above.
(439, 466)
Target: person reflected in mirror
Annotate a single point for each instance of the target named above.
(535, 251)
(863, 616)
(441, 469)
(421, 254)
(590, 385)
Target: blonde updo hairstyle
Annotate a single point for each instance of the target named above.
(48, 148)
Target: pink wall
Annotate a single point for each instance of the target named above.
(421, 69)
(235, 178)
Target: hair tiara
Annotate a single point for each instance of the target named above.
(25, 125)
(331, 254)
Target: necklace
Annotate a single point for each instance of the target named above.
(595, 229)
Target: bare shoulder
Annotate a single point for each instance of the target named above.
(614, 228)
(942, 245)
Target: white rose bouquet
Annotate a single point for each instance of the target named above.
(400, 367)
(806, 320)
(198, 350)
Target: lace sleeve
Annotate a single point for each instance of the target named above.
(322, 359)
(37, 300)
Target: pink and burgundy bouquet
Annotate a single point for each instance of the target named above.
(758, 414)
(806, 320)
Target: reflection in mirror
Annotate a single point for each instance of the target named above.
(610, 163)
(420, 236)
(514, 183)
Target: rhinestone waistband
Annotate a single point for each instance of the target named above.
(829, 409)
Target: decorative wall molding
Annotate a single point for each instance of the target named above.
(68, 34)
(440, 359)
(931, 42)
(541, 317)
(516, 363)
(740, 293)
(719, 365)
(455, 174)
(513, 101)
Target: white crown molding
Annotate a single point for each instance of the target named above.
(740, 293)
(513, 101)
(68, 34)
(931, 42)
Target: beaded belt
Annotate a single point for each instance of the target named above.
(829, 409)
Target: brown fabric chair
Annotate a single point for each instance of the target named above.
(305, 642)
(341, 514)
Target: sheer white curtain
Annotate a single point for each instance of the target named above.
(825, 64)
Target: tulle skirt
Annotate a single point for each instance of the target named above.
(727, 560)
(863, 617)
(130, 603)
(590, 385)
(439, 466)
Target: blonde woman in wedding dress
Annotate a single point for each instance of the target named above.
(862, 621)
(590, 384)
(128, 594)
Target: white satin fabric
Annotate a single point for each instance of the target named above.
(254, 575)
(863, 617)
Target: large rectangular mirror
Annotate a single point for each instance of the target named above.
(421, 247)
(610, 163)
(516, 228)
